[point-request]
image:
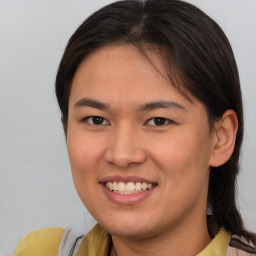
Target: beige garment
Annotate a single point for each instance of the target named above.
(98, 243)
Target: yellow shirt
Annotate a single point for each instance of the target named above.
(218, 246)
(42, 242)
(46, 241)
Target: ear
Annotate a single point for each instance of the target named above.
(225, 131)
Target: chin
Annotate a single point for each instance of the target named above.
(128, 226)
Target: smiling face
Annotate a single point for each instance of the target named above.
(139, 150)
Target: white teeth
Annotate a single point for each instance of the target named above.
(150, 186)
(121, 187)
(128, 188)
(138, 186)
(144, 186)
(115, 186)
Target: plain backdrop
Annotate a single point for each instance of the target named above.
(36, 188)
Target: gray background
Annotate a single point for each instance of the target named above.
(36, 187)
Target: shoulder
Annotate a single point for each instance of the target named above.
(45, 241)
(54, 241)
(239, 246)
(96, 242)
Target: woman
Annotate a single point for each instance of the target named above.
(151, 107)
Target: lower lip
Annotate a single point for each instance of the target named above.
(127, 199)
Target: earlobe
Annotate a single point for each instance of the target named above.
(225, 131)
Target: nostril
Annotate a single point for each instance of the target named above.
(125, 157)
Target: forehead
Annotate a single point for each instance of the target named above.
(122, 71)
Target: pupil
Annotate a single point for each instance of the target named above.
(159, 121)
(97, 120)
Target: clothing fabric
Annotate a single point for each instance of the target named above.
(219, 244)
(53, 241)
(42, 242)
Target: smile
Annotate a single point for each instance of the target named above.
(128, 188)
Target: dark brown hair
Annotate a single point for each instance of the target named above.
(197, 56)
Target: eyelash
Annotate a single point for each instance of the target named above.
(98, 120)
(159, 119)
(92, 119)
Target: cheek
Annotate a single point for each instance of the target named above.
(84, 157)
(83, 149)
(84, 161)
(173, 151)
(185, 155)
(183, 162)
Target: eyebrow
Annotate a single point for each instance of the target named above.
(85, 102)
(161, 104)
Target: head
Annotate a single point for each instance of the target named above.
(195, 57)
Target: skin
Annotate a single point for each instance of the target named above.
(176, 155)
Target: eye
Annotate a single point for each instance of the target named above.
(158, 121)
(96, 120)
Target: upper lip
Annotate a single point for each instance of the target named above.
(126, 179)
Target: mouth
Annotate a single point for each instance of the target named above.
(129, 187)
(128, 190)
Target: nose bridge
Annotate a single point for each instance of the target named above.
(124, 148)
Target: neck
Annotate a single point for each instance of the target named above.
(188, 241)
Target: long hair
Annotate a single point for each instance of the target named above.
(197, 56)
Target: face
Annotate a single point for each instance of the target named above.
(139, 150)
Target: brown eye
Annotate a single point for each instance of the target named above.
(96, 120)
(158, 121)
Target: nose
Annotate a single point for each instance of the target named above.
(125, 148)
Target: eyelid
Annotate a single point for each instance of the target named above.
(167, 121)
(89, 120)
